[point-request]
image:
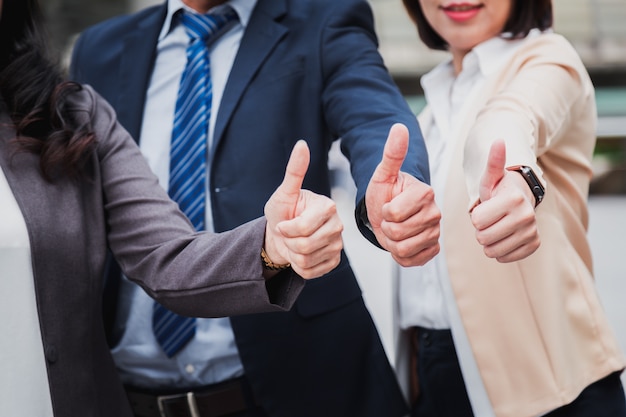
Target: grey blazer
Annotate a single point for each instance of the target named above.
(121, 207)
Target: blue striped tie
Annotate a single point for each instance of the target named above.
(188, 155)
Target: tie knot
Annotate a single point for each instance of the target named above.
(203, 26)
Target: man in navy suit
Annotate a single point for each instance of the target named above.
(283, 70)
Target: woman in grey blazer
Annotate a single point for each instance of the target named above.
(74, 186)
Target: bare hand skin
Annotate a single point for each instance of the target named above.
(303, 228)
(401, 209)
(505, 220)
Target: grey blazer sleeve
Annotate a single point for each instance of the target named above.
(198, 274)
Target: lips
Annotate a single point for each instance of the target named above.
(461, 12)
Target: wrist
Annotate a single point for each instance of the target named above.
(269, 264)
(537, 190)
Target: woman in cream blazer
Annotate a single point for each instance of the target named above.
(529, 327)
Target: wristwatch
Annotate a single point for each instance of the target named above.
(531, 179)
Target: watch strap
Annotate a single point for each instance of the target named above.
(531, 179)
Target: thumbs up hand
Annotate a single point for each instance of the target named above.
(401, 209)
(505, 220)
(303, 228)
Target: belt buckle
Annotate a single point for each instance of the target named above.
(191, 403)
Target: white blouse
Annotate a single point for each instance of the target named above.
(24, 389)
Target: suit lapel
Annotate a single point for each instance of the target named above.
(136, 64)
(261, 36)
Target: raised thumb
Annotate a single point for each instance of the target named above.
(296, 170)
(494, 171)
(394, 153)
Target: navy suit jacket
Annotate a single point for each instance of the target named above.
(305, 69)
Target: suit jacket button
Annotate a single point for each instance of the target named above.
(51, 354)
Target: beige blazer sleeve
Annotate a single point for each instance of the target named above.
(535, 100)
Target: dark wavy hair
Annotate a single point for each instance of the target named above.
(525, 15)
(35, 92)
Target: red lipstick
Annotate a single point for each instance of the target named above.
(461, 12)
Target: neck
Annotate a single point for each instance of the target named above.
(203, 6)
(457, 59)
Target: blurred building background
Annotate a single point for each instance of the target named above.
(596, 28)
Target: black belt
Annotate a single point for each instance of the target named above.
(214, 401)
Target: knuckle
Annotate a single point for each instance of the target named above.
(393, 231)
(435, 233)
(434, 250)
(429, 194)
(490, 252)
(518, 199)
(436, 215)
(404, 250)
(301, 261)
(331, 206)
(480, 238)
(298, 247)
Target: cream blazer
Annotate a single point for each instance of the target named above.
(536, 327)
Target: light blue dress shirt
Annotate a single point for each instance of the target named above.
(212, 355)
